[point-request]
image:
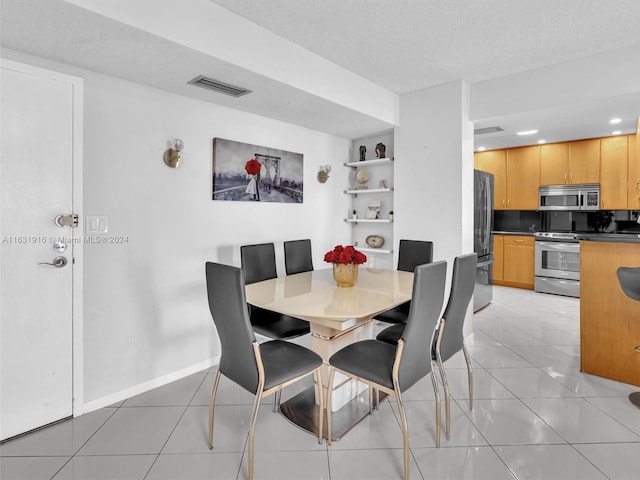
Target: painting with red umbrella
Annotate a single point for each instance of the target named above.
(246, 172)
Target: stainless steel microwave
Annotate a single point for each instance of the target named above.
(569, 197)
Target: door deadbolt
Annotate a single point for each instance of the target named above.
(58, 262)
(70, 220)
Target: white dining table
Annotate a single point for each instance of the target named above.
(338, 316)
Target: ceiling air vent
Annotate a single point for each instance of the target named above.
(482, 131)
(218, 86)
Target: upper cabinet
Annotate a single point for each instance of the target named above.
(516, 173)
(633, 180)
(570, 162)
(610, 161)
(614, 152)
(584, 161)
(554, 164)
(523, 178)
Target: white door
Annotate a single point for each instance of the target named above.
(36, 285)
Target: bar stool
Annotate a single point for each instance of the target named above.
(629, 278)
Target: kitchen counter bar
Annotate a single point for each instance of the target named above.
(609, 320)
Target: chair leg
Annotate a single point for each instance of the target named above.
(447, 397)
(467, 359)
(371, 393)
(276, 400)
(252, 428)
(332, 374)
(212, 402)
(405, 429)
(434, 382)
(318, 376)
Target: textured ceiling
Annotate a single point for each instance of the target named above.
(402, 45)
(409, 45)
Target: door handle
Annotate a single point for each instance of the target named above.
(58, 262)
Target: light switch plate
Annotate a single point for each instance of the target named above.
(96, 224)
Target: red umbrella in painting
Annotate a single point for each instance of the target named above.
(253, 166)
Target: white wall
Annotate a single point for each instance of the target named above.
(146, 318)
(146, 314)
(434, 170)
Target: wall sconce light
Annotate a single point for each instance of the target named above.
(173, 155)
(323, 173)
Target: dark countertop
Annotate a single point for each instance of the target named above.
(610, 237)
(588, 237)
(504, 232)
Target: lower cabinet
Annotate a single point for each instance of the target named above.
(516, 261)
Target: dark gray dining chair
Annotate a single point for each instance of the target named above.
(297, 256)
(449, 338)
(258, 264)
(411, 253)
(392, 369)
(262, 369)
(629, 278)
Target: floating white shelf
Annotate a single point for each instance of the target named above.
(367, 220)
(374, 250)
(364, 163)
(368, 190)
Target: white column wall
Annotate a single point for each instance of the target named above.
(433, 197)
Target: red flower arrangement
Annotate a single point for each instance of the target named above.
(252, 166)
(345, 255)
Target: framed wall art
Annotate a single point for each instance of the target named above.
(246, 172)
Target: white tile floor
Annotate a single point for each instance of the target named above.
(535, 417)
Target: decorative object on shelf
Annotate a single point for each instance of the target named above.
(391, 215)
(362, 177)
(272, 175)
(363, 152)
(380, 150)
(375, 241)
(345, 262)
(373, 210)
(323, 173)
(383, 183)
(354, 215)
(173, 155)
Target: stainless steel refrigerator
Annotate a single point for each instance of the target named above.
(483, 238)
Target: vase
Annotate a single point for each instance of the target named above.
(345, 275)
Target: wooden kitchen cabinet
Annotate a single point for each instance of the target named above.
(584, 161)
(609, 326)
(614, 153)
(523, 178)
(498, 255)
(565, 163)
(518, 261)
(495, 162)
(633, 180)
(554, 164)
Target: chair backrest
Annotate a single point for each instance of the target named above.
(629, 278)
(412, 253)
(258, 262)
(463, 283)
(426, 305)
(297, 256)
(228, 305)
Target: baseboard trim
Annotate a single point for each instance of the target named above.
(146, 386)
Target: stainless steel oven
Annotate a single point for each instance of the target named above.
(557, 264)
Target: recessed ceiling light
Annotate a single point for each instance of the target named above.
(615, 120)
(481, 149)
(616, 132)
(542, 141)
(527, 132)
